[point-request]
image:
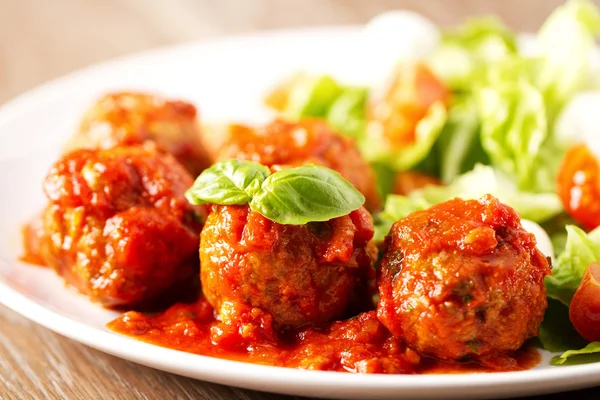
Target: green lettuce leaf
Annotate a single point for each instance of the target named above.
(347, 113)
(557, 334)
(482, 180)
(513, 128)
(459, 149)
(537, 207)
(311, 96)
(519, 96)
(580, 250)
(588, 354)
(566, 40)
(385, 177)
(344, 107)
(466, 52)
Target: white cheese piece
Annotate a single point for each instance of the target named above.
(394, 36)
(580, 121)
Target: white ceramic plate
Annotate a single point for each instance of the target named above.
(226, 79)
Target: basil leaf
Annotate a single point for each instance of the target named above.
(227, 183)
(306, 194)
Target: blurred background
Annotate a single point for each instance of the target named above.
(42, 39)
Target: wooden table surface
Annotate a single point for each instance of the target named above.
(42, 39)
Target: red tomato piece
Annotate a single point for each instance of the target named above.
(584, 310)
(396, 111)
(578, 186)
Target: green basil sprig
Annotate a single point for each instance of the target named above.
(291, 196)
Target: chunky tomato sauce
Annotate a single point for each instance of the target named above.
(361, 344)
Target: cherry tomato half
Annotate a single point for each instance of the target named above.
(584, 310)
(578, 185)
(405, 101)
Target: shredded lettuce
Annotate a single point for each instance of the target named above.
(580, 250)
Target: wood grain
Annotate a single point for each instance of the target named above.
(42, 39)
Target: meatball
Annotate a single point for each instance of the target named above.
(282, 144)
(462, 279)
(135, 118)
(118, 227)
(300, 274)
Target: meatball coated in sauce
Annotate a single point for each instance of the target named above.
(281, 144)
(462, 279)
(117, 226)
(135, 118)
(300, 274)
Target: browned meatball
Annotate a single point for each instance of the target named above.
(135, 118)
(117, 226)
(462, 279)
(280, 144)
(301, 274)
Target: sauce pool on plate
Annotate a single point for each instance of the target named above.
(361, 344)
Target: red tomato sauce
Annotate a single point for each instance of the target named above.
(361, 344)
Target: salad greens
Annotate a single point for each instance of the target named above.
(346, 113)
(312, 97)
(504, 106)
(496, 134)
(323, 97)
(557, 334)
(483, 179)
(580, 250)
(566, 40)
(458, 148)
(291, 196)
(513, 127)
(466, 53)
